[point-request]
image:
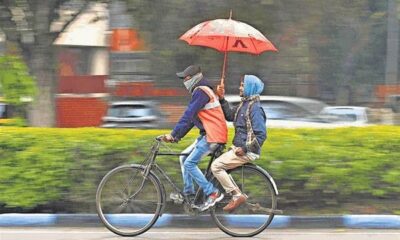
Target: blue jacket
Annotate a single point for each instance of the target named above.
(189, 117)
(253, 86)
(258, 120)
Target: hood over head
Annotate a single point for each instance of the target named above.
(252, 85)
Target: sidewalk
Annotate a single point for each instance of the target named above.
(168, 220)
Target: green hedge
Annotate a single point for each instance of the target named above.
(319, 170)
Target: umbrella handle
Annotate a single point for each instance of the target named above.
(225, 60)
(224, 67)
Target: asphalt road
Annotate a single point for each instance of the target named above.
(192, 233)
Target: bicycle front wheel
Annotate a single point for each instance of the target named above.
(253, 216)
(128, 203)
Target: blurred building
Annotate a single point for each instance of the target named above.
(102, 60)
(130, 76)
(83, 68)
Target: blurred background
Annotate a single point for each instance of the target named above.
(112, 64)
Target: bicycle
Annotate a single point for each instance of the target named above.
(130, 198)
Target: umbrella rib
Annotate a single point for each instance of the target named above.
(251, 38)
(201, 28)
(225, 44)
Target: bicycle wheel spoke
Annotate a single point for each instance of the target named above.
(129, 182)
(116, 182)
(112, 200)
(120, 194)
(120, 208)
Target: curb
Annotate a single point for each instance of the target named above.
(378, 221)
(178, 220)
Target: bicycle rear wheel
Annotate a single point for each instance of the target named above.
(128, 203)
(253, 216)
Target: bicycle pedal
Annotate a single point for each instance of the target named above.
(194, 206)
(189, 210)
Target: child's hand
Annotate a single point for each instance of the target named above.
(239, 151)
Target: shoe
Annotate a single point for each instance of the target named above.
(176, 197)
(212, 199)
(195, 207)
(235, 203)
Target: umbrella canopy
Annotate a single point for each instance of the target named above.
(228, 35)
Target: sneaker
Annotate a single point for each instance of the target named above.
(176, 197)
(212, 199)
(235, 202)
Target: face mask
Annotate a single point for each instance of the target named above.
(189, 84)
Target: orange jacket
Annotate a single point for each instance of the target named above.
(213, 119)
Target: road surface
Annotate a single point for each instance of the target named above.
(193, 233)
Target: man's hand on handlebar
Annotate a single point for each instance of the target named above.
(167, 138)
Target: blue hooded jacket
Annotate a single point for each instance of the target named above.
(253, 86)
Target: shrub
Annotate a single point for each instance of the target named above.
(42, 168)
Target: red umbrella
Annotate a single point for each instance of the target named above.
(228, 35)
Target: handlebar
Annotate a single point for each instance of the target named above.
(160, 139)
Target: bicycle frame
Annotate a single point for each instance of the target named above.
(150, 164)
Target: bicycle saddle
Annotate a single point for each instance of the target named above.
(216, 149)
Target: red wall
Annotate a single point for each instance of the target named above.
(80, 111)
(146, 89)
(82, 84)
(382, 91)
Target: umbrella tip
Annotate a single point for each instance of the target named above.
(230, 14)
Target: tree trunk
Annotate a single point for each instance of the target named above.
(42, 110)
(42, 65)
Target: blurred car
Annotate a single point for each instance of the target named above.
(348, 115)
(290, 112)
(5, 109)
(132, 114)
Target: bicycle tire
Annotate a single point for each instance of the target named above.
(129, 217)
(254, 216)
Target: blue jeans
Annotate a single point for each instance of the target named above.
(191, 171)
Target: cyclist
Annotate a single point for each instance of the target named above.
(250, 133)
(205, 112)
